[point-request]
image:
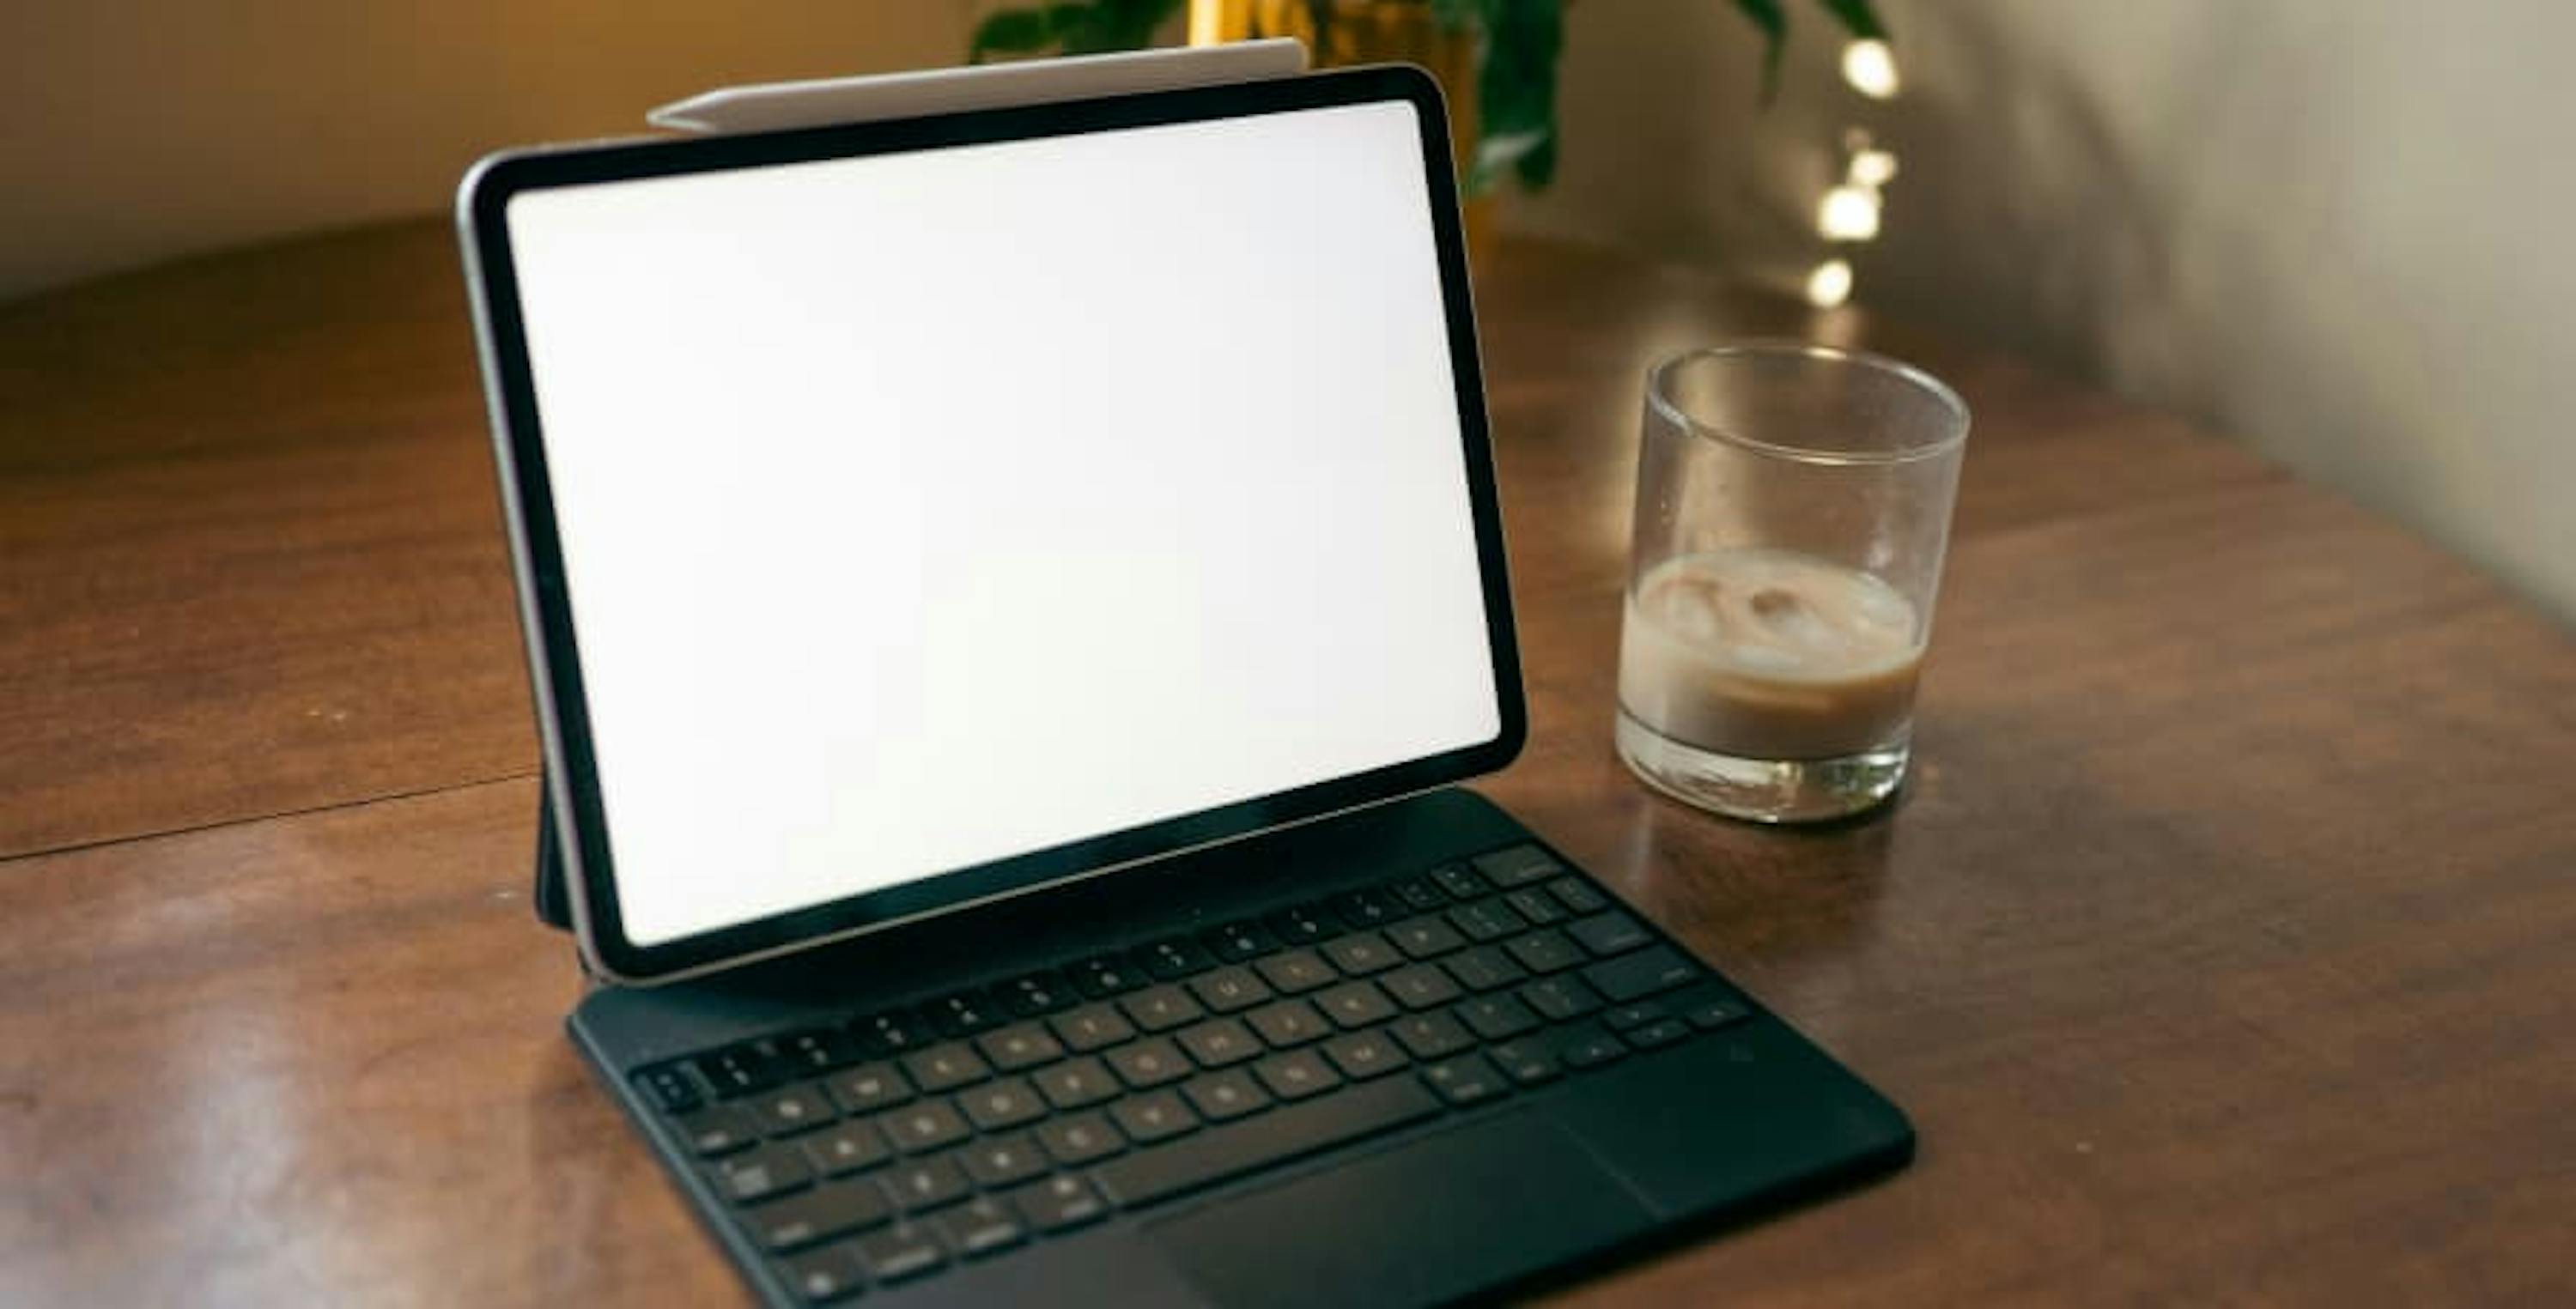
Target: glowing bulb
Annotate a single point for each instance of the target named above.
(1849, 213)
(1870, 67)
(1872, 168)
(1830, 284)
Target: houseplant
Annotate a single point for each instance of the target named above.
(1506, 128)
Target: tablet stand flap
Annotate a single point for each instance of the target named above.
(771, 106)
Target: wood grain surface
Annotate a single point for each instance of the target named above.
(2218, 947)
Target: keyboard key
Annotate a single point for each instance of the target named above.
(1080, 1139)
(1220, 1041)
(1644, 973)
(1559, 998)
(827, 1275)
(870, 1087)
(1589, 1046)
(1154, 1117)
(1611, 933)
(1662, 1031)
(1220, 1096)
(1430, 1036)
(1420, 987)
(982, 1226)
(900, 1253)
(670, 1088)
(1019, 1046)
(1006, 1103)
(1037, 994)
(1003, 1160)
(720, 1129)
(1076, 1082)
(793, 1109)
(1230, 988)
(1365, 908)
(1535, 904)
(1489, 920)
(924, 1126)
(1363, 1055)
(945, 1067)
(1460, 881)
(1496, 1017)
(1106, 975)
(1363, 953)
(1162, 1008)
(964, 1013)
(819, 1215)
(1578, 896)
(1296, 1075)
(1519, 865)
(1303, 924)
(1236, 942)
(1710, 1007)
(1484, 968)
(1623, 1017)
(737, 1071)
(1526, 1062)
(1297, 1129)
(1465, 1080)
(1356, 1004)
(1545, 951)
(759, 1174)
(1297, 970)
(892, 1032)
(846, 1148)
(927, 1183)
(818, 1052)
(1417, 894)
(1426, 937)
(1149, 1062)
(1287, 1023)
(1060, 1203)
(1176, 956)
(1092, 1027)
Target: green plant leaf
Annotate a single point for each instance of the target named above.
(1516, 92)
(1012, 32)
(1857, 18)
(1767, 15)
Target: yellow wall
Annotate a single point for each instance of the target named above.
(138, 130)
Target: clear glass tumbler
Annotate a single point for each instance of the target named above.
(1793, 503)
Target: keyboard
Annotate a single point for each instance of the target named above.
(913, 1138)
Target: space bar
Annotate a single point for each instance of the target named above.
(1268, 1139)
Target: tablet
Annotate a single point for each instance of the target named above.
(917, 512)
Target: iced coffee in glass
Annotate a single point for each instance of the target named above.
(1793, 504)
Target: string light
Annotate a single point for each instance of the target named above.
(1848, 213)
(1871, 168)
(1870, 67)
(1830, 284)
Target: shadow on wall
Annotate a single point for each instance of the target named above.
(2309, 225)
(2325, 229)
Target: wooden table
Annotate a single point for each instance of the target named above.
(2224, 947)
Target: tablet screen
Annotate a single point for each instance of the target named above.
(923, 510)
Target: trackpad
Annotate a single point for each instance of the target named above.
(1429, 1221)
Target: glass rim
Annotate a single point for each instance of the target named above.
(1781, 348)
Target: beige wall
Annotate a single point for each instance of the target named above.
(2334, 228)
(137, 130)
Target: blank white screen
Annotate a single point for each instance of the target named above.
(922, 510)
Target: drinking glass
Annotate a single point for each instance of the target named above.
(1793, 504)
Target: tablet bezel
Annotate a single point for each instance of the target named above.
(553, 650)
